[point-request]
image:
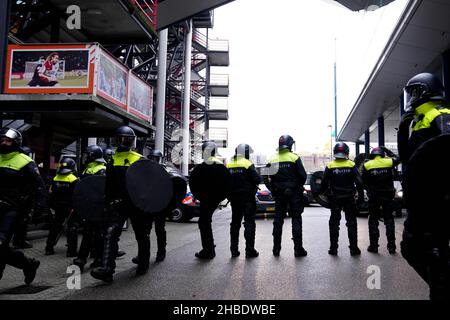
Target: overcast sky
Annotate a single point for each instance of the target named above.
(281, 67)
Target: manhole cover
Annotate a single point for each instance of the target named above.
(24, 289)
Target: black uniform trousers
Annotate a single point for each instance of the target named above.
(288, 201)
(63, 212)
(381, 207)
(243, 208)
(146, 222)
(428, 255)
(8, 219)
(118, 214)
(91, 242)
(349, 207)
(207, 208)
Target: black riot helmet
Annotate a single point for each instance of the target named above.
(209, 149)
(341, 150)
(66, 165)
(244, 150)
(12, 134)
(125, 137)
(377, 152)
(155, 155)
(421, 88)
(108, 154)
(93, 153)
(10, 140)
(285, 142)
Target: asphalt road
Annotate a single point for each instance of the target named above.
(182, 276)
(317, 276)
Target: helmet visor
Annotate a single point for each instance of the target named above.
(126, 142)
(411, 94)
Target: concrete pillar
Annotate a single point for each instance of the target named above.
(380, 131)
(367, 141)
(445, 58)
(161, 90)
(187, 100)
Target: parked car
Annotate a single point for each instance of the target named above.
(188, 209)
(307, 193)
(264, 200)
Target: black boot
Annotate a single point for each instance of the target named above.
(160, 255)
(2, 269)
(135, 260)
(234, 253)
(251, 253)
(354, 251)
(102, 274)
(333, 250)
(205, 254)
(80, 262)
(300, 252)
(142, 268)
(29, 271)
(373, 248)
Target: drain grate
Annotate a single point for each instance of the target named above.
(24, 289)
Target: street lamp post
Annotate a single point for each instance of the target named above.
(331, 141)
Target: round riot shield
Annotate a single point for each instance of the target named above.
(149, 186)
(89, 198)
(427, 175)
(316, 182)
(210, 182)
(179, 186)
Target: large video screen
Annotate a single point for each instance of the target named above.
(49, 69)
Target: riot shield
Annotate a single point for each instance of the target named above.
(210, 182)
(149, 186)
(179, 187)
(89, 198)
(427, 175)
(316, 181)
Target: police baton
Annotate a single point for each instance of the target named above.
(64, 226)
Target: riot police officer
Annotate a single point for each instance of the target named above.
(378, 178)
(207, 207)
(119, 208)
(61, 192)
(285, 179)
(158, 218)
(425, 241)
(340, 181)
(244, 183)
(20, 235)
(92, 241)
(19, 177)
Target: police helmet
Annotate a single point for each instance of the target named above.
(94, 153)
(377, 152)
(155, 155)
(421, 88)
(12, 134)
(341, 150)
(125, 137)
(66, 165)
(209, 148)
(244, 149)
(285, 142)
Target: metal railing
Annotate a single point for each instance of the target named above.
(149, 8)
(218, 103)
(208, 43)
(219, 79)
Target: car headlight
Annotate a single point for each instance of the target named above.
(400, 194)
